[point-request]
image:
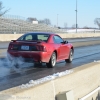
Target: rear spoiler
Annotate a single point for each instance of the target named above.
(28, 41)
(13, 40)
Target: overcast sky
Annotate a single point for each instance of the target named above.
(88, 10)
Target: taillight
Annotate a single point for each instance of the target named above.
(10, 47)
(41, 48)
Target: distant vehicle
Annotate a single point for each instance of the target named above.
(41, 47)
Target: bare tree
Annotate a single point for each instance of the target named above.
(41, 21)
(65, 25)
(45, 21)
(31, 19)
(97, 22)
(85, 27)
(73, 26)
(2, 11)
(55, 26)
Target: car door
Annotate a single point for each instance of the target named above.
(63, 47)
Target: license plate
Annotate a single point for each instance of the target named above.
(24, 47)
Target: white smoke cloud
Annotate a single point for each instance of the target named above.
(16, 65)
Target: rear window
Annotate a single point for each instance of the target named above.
(36, 37)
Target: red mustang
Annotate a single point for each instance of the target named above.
(41, 47)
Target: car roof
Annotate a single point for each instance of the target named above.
(49, 33)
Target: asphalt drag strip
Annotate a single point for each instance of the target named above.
(10, 76)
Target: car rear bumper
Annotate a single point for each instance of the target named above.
(35, 56)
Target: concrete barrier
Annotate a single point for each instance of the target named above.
(79, 35)
(8, 37)
(82, 81)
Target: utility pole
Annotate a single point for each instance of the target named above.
(57, 20)
(76, 16)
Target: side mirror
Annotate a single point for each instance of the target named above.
(64, 42)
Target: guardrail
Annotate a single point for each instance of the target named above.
(91, 94)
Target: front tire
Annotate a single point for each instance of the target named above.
(52, 61)
(70, 58)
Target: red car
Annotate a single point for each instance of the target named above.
(41, 47)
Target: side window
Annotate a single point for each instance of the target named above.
(28, 37)
(57, 39)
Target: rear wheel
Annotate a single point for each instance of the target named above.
(70, 58)
(52, 61)
(37, 64)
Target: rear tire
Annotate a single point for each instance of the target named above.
(70, 58)
(52, 61)
(37, 64)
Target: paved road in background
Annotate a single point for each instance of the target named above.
(4, 45)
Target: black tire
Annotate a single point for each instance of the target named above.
(70, 58)
(37, 64)
(52, 61)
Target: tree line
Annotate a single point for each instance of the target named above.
(44, 21)
(48, 22)
(2, 9)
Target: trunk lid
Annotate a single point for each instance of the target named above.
(26, 45)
